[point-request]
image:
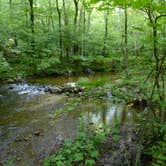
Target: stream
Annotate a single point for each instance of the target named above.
(28, 134)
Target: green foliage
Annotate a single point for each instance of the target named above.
(9, 162)
(81, 151)
(158, 152)
(84, 81)
(4, 66)
(153, 138)
(47, 64)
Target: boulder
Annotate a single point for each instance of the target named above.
(69, 88)
(54, 89)
(70, 85)
(10, 81)
(68, 74)
(89, 71)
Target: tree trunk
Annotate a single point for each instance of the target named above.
(76, 11)
(126, 40)
(84, 29)
(158, 83)
(82, 26)
(60, 28)
(66, 25)
(76, 46)
(106, 32)
(31, 14)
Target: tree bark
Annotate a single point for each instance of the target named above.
(106, 32)
(31, 14)
(126, 40)
(76, 46)
(66, 25)
(60, 28)
(76, 11)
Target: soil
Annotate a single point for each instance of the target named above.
(122, 152)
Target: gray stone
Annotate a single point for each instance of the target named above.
(9, 81)
(89, 71)
(55, 89)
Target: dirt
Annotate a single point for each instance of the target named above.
(122, 152)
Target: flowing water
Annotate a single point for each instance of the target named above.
(27, 133)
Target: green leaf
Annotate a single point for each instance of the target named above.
(78, 157)
(116, 138)
(89, 162)
(94, 154)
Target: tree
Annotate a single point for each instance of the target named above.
(76, 46)
(59, 11)
(106, 30)
(156, 10)
(31, 14)
(124, 5)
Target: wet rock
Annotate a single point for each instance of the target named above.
(47, 88)
(55, 89)
(118, 81)
(80, 94)
(18, 139)
(91, 123)
(10, 81)
(18, 158)
(70, 85)
(69, 89)
(68, 74)
(11, 87)
(26, 138)
(140, 102)
(89, 71)
(124, 89)
(37, 132)
(67, 93)
(18, 79)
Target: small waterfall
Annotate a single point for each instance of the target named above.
(24, 88)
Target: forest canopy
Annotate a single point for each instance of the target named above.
(109, 54)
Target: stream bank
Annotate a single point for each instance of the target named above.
(30, 128)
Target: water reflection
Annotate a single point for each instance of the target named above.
(106, 113)
(60, 80)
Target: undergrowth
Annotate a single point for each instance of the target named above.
(84, 150)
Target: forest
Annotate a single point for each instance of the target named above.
(82, 82)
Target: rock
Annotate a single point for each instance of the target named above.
(89, 71)
(68, 89)
(79, 94)
(91, 123)
(67, 93)
(18, 79)
(18, 158)
(37, 133)
(18, 139)
(118, 81)
(140, 102)
(68, 74)
(70, 85)
(26, 138)
(10, 81)
(124, 89)
(81, 89)
(11, 87)
(47, 89)
(55, 89)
